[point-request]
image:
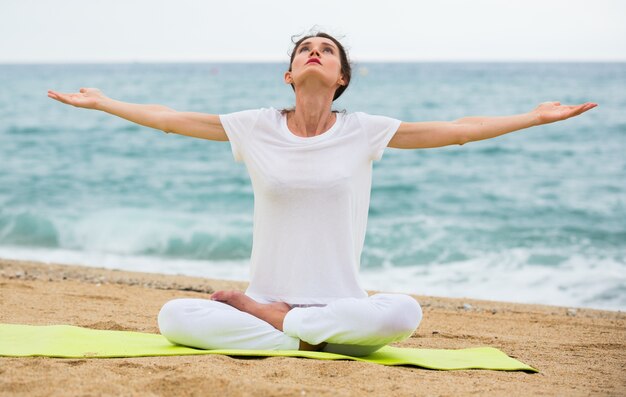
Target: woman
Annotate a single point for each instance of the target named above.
(310, 169)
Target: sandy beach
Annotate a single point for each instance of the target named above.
(578, 351)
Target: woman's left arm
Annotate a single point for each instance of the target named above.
(430, 134)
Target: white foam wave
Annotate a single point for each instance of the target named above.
(578, 282)
(226, 270)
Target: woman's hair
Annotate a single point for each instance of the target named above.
(346, 67)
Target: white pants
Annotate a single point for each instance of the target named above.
(352, 326)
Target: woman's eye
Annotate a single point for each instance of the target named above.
(306, 48)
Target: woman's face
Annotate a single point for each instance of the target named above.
(316, 58)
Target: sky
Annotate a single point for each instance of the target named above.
(68, 31)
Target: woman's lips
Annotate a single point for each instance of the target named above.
(314, 60)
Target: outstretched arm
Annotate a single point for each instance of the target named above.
(430, 134)
(198, 125)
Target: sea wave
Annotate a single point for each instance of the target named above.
(126, 231)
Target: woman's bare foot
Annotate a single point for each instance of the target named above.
(273, 313)
(308, 347)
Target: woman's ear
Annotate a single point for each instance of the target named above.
(288, 79)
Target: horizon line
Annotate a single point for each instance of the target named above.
(364, 60)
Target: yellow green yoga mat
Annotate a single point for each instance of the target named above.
(67, 341)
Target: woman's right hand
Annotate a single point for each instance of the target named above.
(162, 118)
(87, 98)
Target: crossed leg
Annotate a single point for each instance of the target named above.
(209, 324)
(233, 320)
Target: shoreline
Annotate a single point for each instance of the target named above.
(578, 351)
(239, 281)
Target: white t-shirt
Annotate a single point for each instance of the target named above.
(311, 202)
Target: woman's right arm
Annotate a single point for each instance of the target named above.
(197, 125)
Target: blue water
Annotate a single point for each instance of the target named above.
(537, 215)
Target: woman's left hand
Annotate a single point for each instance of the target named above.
(549, 112)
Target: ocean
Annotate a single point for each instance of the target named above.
(534, 216)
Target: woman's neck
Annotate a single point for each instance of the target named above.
(313, 115)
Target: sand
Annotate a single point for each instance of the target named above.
(578, 351)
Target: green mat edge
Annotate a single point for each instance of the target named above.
(180, 350)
